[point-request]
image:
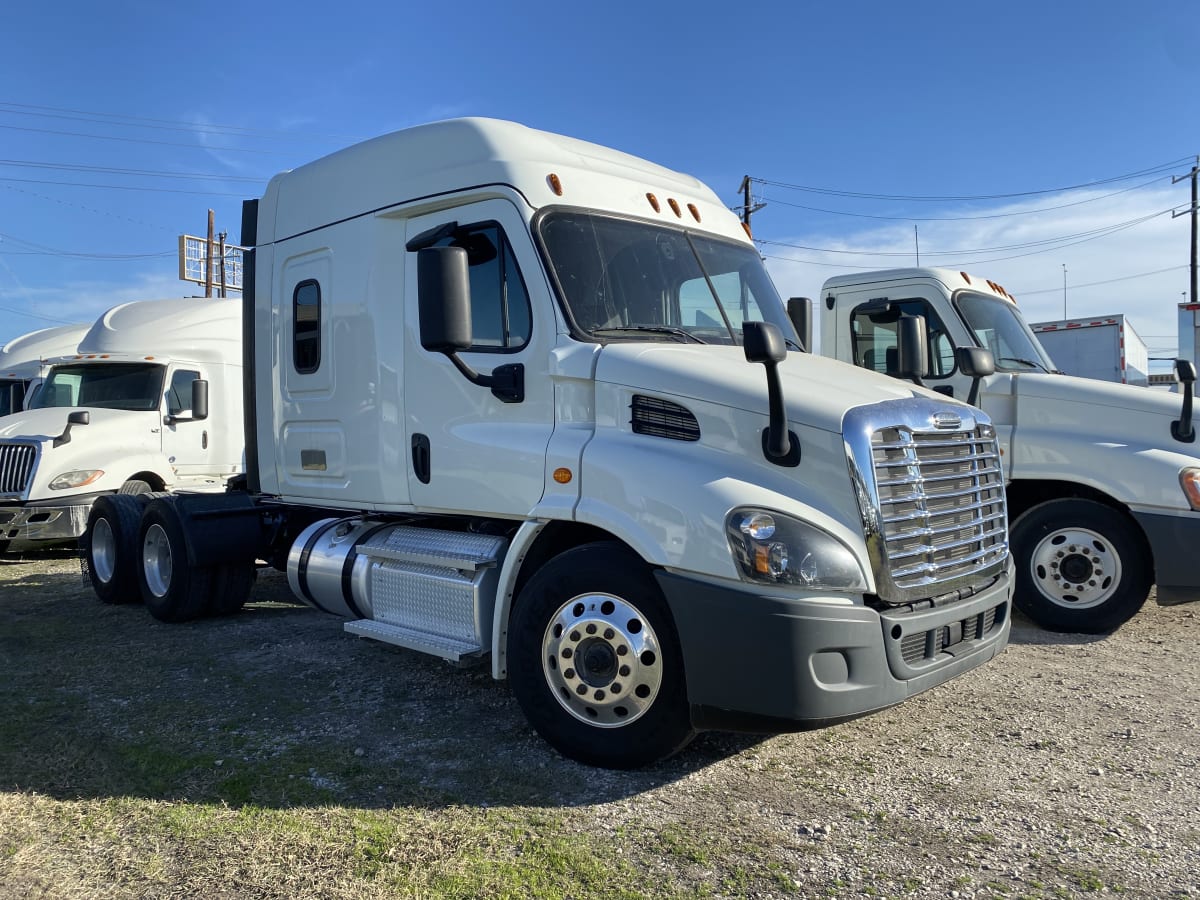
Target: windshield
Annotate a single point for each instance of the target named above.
(135, 386)
(631, 280)
(999, 327)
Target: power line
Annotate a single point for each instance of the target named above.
(43, 250)
(131, 140)
(21, 312)
(1055, 290)
(140, 173)
(1163, 167)
(126, 187)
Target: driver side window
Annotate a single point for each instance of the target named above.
(873, 328)
(500, 312)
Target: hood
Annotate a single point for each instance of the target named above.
(1096, 393)
(111, 427)
(817, 391)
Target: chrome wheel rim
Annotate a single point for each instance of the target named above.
(104, 551)
(156, 560)
(1076, 568)
(602, 660)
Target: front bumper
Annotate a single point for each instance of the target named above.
(1173, 542)
(41, 521)
(761, 663)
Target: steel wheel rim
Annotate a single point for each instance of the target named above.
(104, 551)
(156, 560)
(602, 660)
(1076, 568)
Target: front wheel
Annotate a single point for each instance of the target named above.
(1081, 566)
(595, 662)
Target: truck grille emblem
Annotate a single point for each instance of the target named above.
(947, 420)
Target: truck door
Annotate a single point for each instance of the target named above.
(873, 341)
(470, 451)
(185, 442)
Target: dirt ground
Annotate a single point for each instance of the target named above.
(1066, 767)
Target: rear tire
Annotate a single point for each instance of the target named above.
(134, 486)
(111, 549)
(595, 662)
(172, 589)
(1081, 566)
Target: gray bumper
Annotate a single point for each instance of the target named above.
(1173, 543)
(755, 662)
(41, 522)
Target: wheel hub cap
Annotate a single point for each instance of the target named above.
(1076, 568)
(602, 660)
(156, 560)
(104, 551)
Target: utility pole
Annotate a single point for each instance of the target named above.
(748, 208)
(1193, 209)
(208, 258)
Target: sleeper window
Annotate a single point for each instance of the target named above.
(306, 322)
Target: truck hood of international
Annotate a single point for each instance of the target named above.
(817, 391)
(114, 428)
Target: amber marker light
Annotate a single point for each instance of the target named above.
(653, 203)
(562, 476)
(674, 204)
(555, 184)
(695, 212)
(966, 277)
(746, 228)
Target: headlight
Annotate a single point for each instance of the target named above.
(75, 479)
(1189, 479)
(772, 548)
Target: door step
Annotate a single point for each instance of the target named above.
(455, 651)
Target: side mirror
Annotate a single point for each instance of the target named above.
(976, 363)
(79, 417)
(444, 306)
(1182, 429)
(199, 399)
(912, 348)
(763, 343)
(799, 310)
(444, 299)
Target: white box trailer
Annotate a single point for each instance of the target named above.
(24, 362)
(1103, 347)
(517, 397)
(120, 415)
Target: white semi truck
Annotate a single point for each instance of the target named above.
(1103, 479)
(125, 413)
(24, 362)
(1103, 347)
(511, 395)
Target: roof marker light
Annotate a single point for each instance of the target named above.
(746, 228)
(695, 212)
(555, 184)
(653, 202)
(966, 277)
(674, 204)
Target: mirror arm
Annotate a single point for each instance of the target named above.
(507, 382)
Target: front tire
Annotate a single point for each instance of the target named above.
(111, 549)
(172, 589)
(594, 660)
(1081, 566)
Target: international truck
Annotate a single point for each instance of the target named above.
(516, 397)
(1103, 347)
(24, 363)
(125, 412)
(1103, 479)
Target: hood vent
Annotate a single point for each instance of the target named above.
(662, 418)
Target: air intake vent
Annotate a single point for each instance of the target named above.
(662, 418)
(16, 465)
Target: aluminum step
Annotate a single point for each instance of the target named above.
(423, 642)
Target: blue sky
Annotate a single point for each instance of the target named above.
(121, 125)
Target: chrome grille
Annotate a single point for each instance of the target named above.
(941, 504)
(16, 466)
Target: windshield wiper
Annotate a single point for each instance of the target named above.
(1024, 362)
(652, 329)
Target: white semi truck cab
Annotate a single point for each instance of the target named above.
(118, 415)
(25, 360)
(1103, 479)
(518, 397)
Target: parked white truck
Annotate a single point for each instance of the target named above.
(515, 395)
(1103, 347)
(24, 362)
(1189, 332)
(125, 414)
(1103, 479)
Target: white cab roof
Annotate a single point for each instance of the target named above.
(197, 329)
(40, 345)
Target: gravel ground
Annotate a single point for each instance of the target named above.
(1066, 767)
